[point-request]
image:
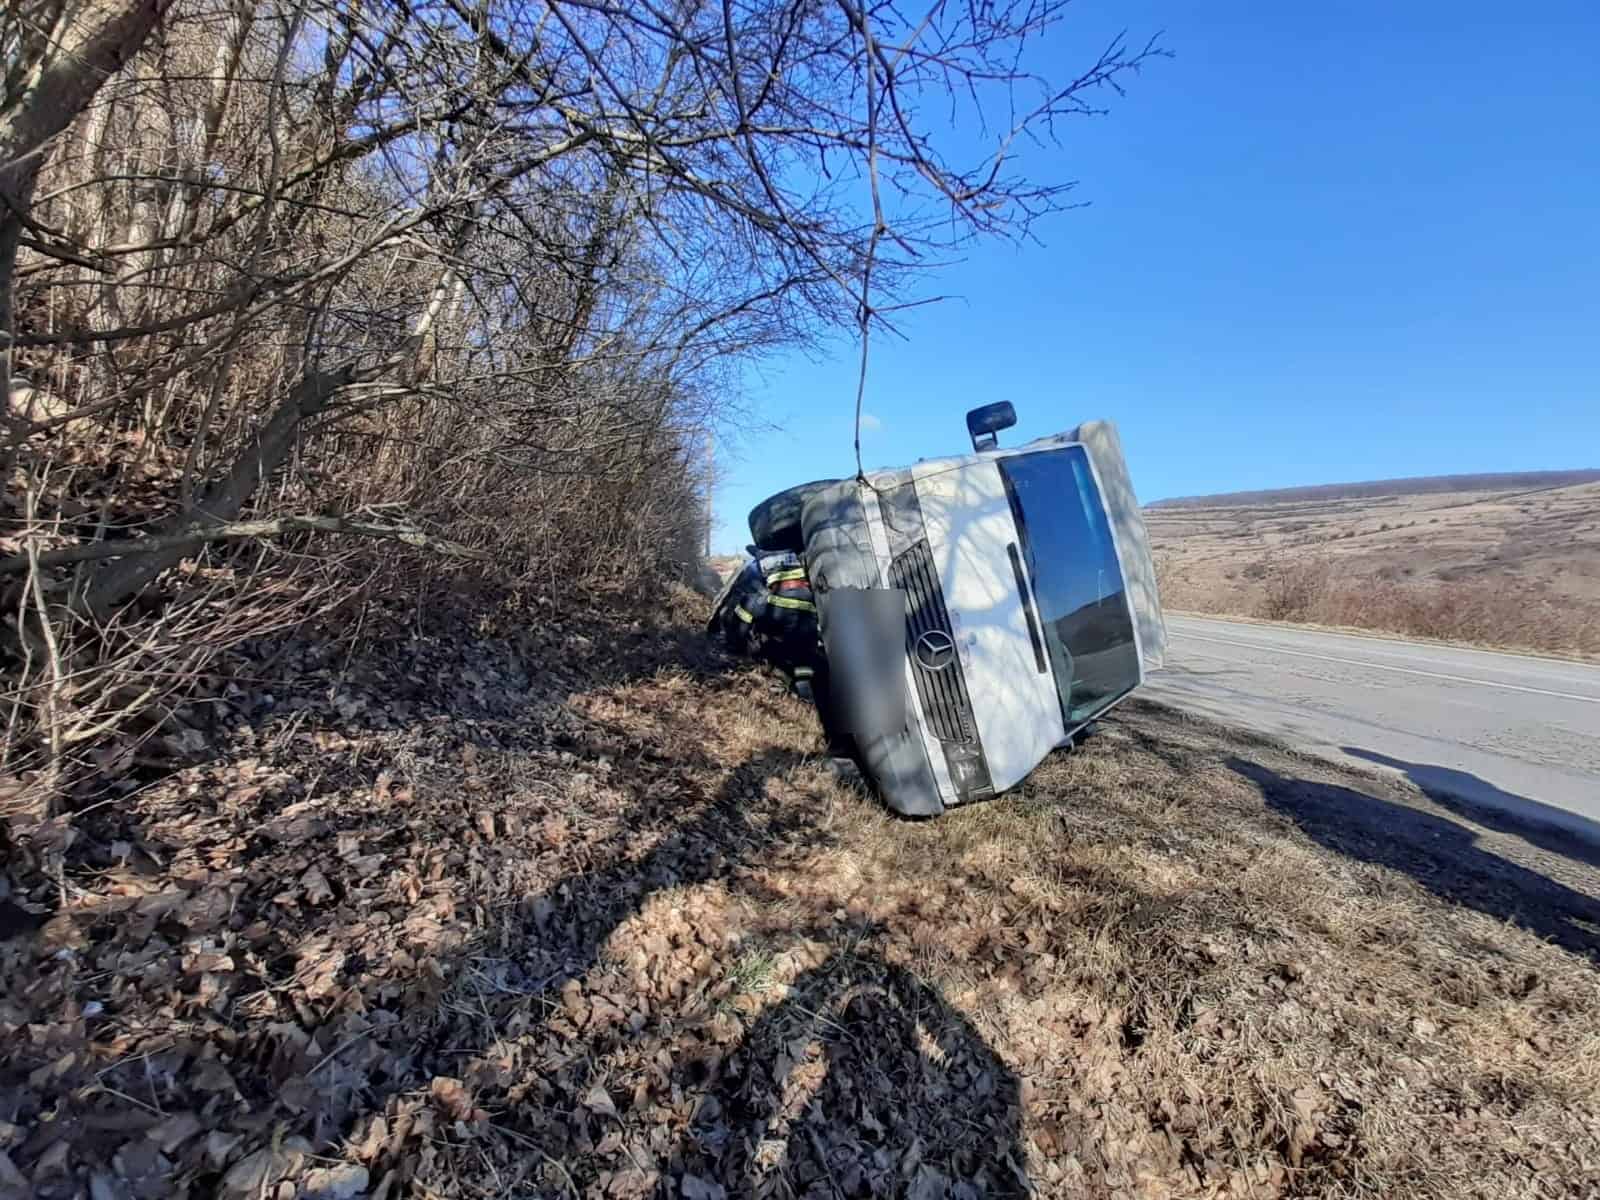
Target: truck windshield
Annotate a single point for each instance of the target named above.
(1077, 580)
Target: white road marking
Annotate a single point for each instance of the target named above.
(1356, 662)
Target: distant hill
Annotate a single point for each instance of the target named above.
(1508, 481)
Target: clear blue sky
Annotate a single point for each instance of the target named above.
(1325, 242)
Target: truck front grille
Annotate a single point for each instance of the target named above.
(945, 703)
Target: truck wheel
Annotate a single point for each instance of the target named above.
(775, 522)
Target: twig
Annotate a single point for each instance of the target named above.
(338, 1050)
(864, 316)
(572, 1187)
(52, 703)
(134, 1100)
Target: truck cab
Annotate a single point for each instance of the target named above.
(976, 612)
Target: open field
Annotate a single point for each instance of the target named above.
(1515, 568)
(576, 909)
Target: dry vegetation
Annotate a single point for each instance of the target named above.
(304, 304)
(328, 872)
(575, 909)
(1517, 568)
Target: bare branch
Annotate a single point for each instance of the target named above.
(193, 539)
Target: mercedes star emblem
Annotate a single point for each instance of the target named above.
(936, 650)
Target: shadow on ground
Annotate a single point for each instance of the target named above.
(1467, 795)
(1437, 852)
(571, 922)
(862, 1081)
(338, 908)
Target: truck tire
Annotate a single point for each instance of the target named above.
(775, 522)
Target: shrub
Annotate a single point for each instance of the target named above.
(1292, 587)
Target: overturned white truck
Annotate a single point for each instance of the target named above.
(974, 613)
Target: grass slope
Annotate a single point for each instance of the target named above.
(581, 912)
(1518, 569)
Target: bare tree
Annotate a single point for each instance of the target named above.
(58, 53)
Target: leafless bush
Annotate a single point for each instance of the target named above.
(1491, 613)
(1176, 582)
(1292, 588)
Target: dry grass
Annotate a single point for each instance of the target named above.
(1515, 569)
(613, 928)
(1213, 962)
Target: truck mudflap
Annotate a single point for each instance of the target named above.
(866, 688)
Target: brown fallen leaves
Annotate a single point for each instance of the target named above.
(578, 912)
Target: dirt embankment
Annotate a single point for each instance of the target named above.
(571, 908)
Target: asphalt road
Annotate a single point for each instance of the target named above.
(1506, 731)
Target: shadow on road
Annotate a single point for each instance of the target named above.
(1438, 853)
(1554, 829)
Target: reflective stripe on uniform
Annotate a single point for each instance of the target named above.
(742, 613)
(786, 602)
(803, 672)
(780, 576)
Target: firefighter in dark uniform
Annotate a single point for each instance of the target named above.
(768, 613)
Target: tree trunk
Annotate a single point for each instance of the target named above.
(263, 454)
(223, 501)
(76, 46)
